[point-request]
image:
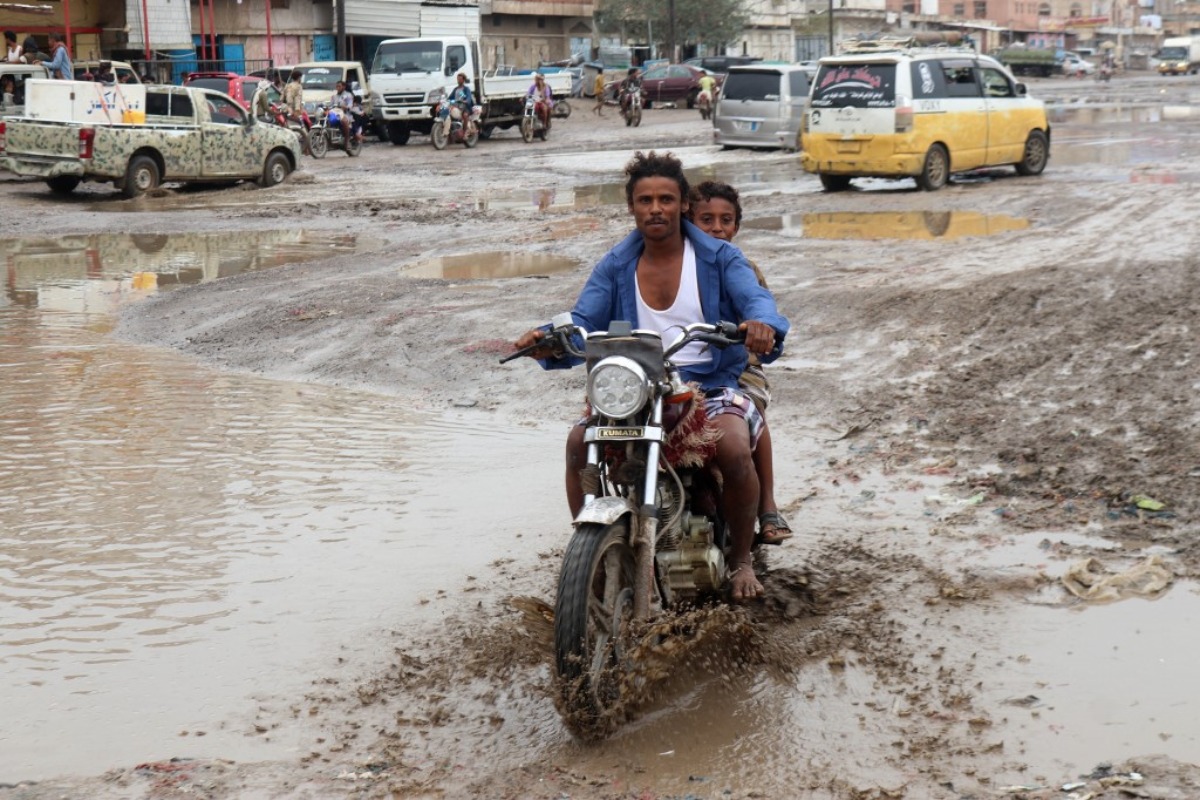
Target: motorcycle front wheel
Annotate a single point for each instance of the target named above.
(637, 117)
(438, 135)
(318, 142)
(591, 613)
(527, 130)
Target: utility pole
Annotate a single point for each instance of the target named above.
(341, 30)
(831, 28)
(671, 31)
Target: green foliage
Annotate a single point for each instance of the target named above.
(714, 22)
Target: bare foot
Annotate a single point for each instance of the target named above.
(743, 585)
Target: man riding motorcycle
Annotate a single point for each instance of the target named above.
(631, 82)
(461, 96)
(343, 101)
(665, 275)
(545, 99)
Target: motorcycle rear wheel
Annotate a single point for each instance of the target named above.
(472, 138)
(593, 607)
(438, 135)
(318, 143)
(353, 146)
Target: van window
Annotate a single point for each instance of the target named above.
(856, 85)
(960, 79)
(996, 83)
(928, 79)
(798, 84)
(751, 86)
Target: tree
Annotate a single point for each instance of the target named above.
(716, 22)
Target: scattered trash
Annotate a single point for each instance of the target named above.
(1147, 503)
(1020, 789)
(1028, 701)
(1070, 787)
(1090, 580)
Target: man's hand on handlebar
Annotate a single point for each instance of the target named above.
(530, 339)
(760, 337)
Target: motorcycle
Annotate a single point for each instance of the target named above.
(327, 132)
(462, 125)
(650, 537)
(531, 121)
(704, 102)
(300, 127)
(631, 110)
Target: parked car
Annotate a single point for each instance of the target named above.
(761, 105)
(924, 115)
(673, 82)
(239, 87)
(720, 64)
(1074, 64)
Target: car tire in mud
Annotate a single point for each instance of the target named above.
(141, 176)
(834, 183)
(1037, 153)
(276, 169)
(936, 171)
(593, 606)
(62, 184)
(398, 133)
(318, 142)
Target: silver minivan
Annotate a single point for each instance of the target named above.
(761, 105)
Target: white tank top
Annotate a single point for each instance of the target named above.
(686, 309)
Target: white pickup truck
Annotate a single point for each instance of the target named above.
(409, 77)
(137, 136)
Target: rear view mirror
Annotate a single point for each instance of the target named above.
(1021, 90)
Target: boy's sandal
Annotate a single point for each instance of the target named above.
(773, 528)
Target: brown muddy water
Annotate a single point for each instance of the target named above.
(889, 224)
(182, 546)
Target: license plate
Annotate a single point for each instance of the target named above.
(849, 147)
(746, 126)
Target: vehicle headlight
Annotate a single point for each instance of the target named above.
(435, 96)
(617, 387)
(310, 107)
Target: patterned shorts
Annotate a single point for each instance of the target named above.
(731, 401)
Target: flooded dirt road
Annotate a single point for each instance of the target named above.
(269, 506)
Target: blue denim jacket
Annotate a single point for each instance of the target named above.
(729, 292)
(60, 64)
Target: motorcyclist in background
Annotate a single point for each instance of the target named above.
(631, 82)
(545, 99)
(343, 101)
(260, 106)
(460, 94)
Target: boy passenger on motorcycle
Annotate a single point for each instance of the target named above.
(717, 210)
(664, 275)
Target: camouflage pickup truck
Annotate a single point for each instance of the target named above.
(139, 137)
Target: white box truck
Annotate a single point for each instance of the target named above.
(1179, 56)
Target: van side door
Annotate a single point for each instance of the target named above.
(1008, 121)
(965, 127)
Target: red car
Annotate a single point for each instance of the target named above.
(239, 87)
(673, 82)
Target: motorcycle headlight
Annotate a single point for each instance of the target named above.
(617, 387)
(311, 108)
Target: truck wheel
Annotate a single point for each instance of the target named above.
(63, 184)
(276, 170)
(1037, 153)
(486, 132)
(562, 109)
(381, 132)
(398, 132)
(141, 176)
(936, 171)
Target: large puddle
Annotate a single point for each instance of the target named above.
(889, 224)
(92, 271)
(182, 546)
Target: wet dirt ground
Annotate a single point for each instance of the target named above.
(283, 528)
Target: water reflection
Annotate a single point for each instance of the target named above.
(97, 270)
(175, 542)
(890, 224)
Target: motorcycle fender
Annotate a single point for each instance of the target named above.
(605, 510)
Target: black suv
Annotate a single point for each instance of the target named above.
(720, 64)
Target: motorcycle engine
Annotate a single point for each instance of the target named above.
(693, 568)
